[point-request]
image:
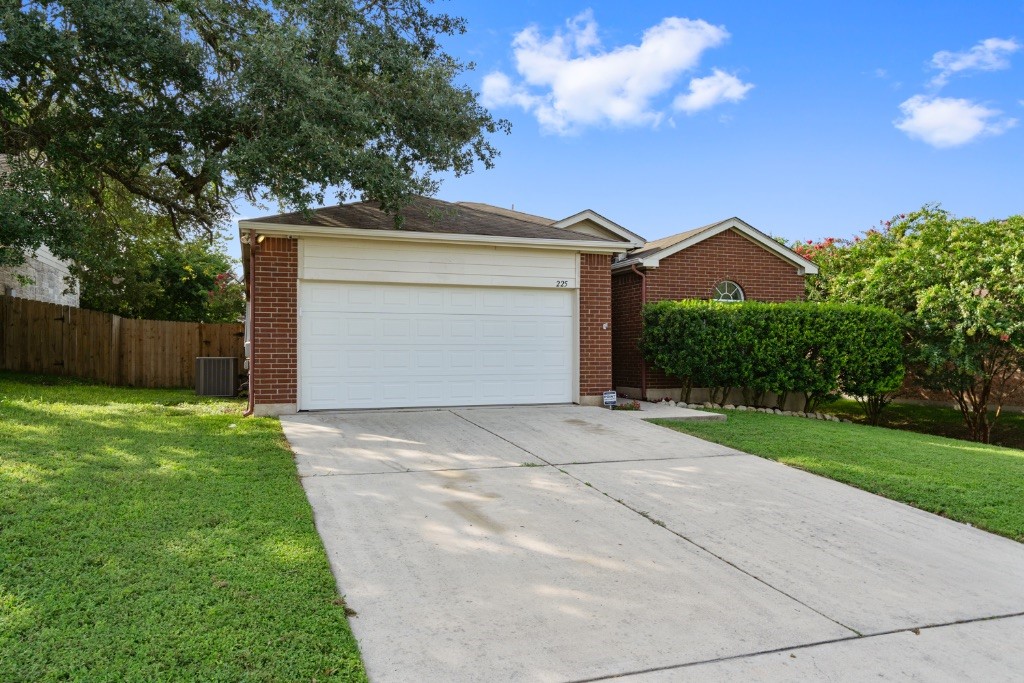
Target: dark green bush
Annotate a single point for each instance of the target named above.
(819, 350)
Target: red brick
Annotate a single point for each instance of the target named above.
(275, 320)
(693, 274)
(595, 312)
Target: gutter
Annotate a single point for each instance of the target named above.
(628, 263)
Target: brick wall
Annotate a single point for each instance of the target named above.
(693, 274)
(595, 311)
(275, 321)
(626, 307)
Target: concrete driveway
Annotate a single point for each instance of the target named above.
(568, 544)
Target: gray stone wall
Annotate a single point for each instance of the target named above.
(48, 284)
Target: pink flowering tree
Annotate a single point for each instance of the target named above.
(958, 283)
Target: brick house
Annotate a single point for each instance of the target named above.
(471, 304)
(728, 260)
(464, 304)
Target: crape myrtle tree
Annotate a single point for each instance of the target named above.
(188, 105)
(958, 284)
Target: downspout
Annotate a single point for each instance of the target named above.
(643, 302)
(252, 323)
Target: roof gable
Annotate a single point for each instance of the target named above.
(616, 231)
(651, 254)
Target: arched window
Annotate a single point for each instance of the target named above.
(727, 290)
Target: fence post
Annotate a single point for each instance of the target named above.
(4, 325)
(115, 351)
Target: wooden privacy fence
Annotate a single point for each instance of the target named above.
(62, 340)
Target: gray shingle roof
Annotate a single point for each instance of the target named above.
(510, 213)
(424, 214)
(654, 246)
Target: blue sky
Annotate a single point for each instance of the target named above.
(806, 119)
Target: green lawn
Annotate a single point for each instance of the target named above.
(149, 535)
(933, 419)
(970, 482)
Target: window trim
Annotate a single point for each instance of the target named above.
(716, 296)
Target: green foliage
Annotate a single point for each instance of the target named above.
(958, 284)
(151, 535)
(978, 484)
(137, 267)
(873, 375)
(164, 279)
(815, 349)
(188, 106)
(32, 215)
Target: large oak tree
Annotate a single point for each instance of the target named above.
(189, 105)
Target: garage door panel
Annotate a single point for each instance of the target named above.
(351, 328)
(394, 391)
(429, 328)
(460, 360)
(355, 360)
(436, 391)
(368, 346)
(435, 357)
(494, 329)
(404, 331)
(555, 329)
(376, 298)
(396, 298)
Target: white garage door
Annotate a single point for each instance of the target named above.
(387, 345)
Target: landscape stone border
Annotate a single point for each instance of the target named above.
(769, 411)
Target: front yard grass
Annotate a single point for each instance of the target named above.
(150, 535)
(969, 482)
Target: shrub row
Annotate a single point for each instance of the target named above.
(819, 350)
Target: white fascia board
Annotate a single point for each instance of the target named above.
(625, 263)
(631, 238)
(586, 246)
(803, 266)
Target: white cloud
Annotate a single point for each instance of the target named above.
(988, 55)
(949, 122)
(711, 90)
(569, 81)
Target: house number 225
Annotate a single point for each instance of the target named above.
(561, 283)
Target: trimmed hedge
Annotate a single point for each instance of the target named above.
(819, 350)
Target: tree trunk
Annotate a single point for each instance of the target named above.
(780, 400)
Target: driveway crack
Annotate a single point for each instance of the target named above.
(802, 646)
(511, 443)
(664, 526)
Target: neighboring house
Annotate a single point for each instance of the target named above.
(728, 261)
(48, 280)
(46, 272)
(471, 304)
(465, 304)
